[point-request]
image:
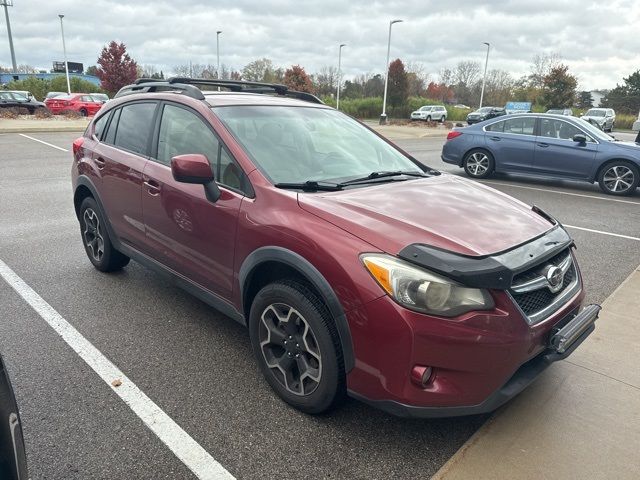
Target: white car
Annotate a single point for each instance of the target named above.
(636, 124)
(603, 118)
(430, 113)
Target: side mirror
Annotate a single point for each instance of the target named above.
(194, 168)
(580, 138)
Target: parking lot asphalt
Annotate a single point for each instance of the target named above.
(194, 363)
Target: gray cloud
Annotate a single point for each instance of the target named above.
(599, 41)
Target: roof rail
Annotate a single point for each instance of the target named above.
(187, 86)
(148, 85)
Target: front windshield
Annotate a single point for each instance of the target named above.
(484, 109)
(425, 109)
(593, 131)
(299, 144)
(595, 113)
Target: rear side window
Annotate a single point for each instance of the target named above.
(100, 126)
(134, 127)
(86, 98)
(495, 127)
(522, 126)
(113, 126)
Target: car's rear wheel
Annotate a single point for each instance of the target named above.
(478, 163)
(83, 112)
(95, 238)
(619, 178)
(296, 345)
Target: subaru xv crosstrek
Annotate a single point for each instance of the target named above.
(356, 269)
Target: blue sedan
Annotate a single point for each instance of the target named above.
(545, 145)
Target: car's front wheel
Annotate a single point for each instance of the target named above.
(619, 178)
(296, 345)
(96, 241)
(478, 163)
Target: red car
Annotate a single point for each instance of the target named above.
(356, 269)
(82, 103)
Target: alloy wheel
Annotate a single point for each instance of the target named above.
(92, 234)
(290, 349)
(618, 179)
(478, 164)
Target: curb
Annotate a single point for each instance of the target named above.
(487, 428)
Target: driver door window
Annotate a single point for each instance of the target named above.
(552, 128)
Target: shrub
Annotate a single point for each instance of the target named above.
(70, 114)
(42, 113)
(8, 113)
(40, 87)
(624, 122)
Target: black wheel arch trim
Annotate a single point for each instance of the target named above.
(313, 276)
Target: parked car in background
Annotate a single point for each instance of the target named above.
(462, 106)
(430, 113)
(9, 99)
(83, 103)
(636, 127)
(550, 146)
(485, 113)
(561, 111)
(603, 118)
(54, 94)
(102, 97)
(356, 269)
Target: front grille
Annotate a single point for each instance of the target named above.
(534, 303)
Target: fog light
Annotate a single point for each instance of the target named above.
(420, 375)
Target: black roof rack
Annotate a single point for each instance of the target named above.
(187, 87)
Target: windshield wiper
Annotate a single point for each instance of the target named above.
(310, 186)
(383, 174)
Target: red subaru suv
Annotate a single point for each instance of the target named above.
(356, 269)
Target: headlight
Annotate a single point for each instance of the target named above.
(424, 291)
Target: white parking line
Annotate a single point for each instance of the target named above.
(608, 199)
(196, 458)
(602, 233)
(36, 140)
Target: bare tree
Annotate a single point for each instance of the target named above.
(541, 66)
(325, 81)
(417, 78)
(466, 73)
(446, 77)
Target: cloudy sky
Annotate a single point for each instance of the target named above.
(600, 41)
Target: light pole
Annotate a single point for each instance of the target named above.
(339, 74)
(218, 55)
(383, 117)
(5, 4)
(484, 78)
(64, 50)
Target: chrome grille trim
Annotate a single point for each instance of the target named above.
(539, 282)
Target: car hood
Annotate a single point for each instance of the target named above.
(628, 146)
(589, 117)
(443, 211)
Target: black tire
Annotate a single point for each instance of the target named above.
(443, 118)
(318, 349)
(95, 238)
(619, 178)
(428, 119)
(83, 112)
(478, 163)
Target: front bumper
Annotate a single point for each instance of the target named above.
(563, 341)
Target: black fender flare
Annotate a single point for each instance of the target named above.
(84, 181)
(313, 276)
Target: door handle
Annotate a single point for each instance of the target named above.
(153, 187)
(100, 163)
(495, 139)
(543, 145)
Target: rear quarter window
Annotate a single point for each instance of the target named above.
(134, 127)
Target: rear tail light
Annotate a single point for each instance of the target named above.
(453, 134)
(77, 146)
